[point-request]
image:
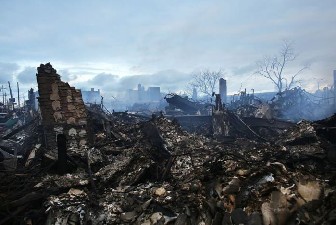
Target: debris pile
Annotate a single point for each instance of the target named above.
(121, 180)
(137, 170)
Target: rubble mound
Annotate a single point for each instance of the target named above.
(153, 172)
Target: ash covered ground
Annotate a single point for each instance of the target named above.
(153, 172)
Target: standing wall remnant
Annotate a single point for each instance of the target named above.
(223, 90)
(62, 110)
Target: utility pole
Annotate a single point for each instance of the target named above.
(18, 89)
(3, 96)
(5, 99)
(11, 100)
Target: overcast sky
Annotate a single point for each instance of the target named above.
(113, 45)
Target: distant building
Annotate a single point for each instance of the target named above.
(194, 94)
(132, 95)
(91, 97)
(32, 102)
(154, 94)
(140, 95)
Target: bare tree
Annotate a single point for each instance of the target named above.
(206, 81)
(273, 68)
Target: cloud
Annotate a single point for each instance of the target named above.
(160, 35)
(168, 80)
(250, 68)
(27, 76)
(66, 75)
(103, 79)
(6, 71)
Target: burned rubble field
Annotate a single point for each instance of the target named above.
(176, 177)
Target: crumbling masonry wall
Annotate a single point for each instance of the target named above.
(62, 110)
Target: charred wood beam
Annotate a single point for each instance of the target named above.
(18, 129)
(159, 152)
(62, 154)
(259, 122)
(29, 198)
(93, 185)
(152, 133)
(242, 127)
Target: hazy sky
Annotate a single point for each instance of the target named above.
(113, 45)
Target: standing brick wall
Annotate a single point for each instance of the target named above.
(62, 110)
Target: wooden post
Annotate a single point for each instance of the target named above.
(108, 129)
(18, 89)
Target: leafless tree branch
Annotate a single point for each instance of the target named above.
(205, 81)
(273, 68)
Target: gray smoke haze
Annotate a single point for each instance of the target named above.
(167, 80)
